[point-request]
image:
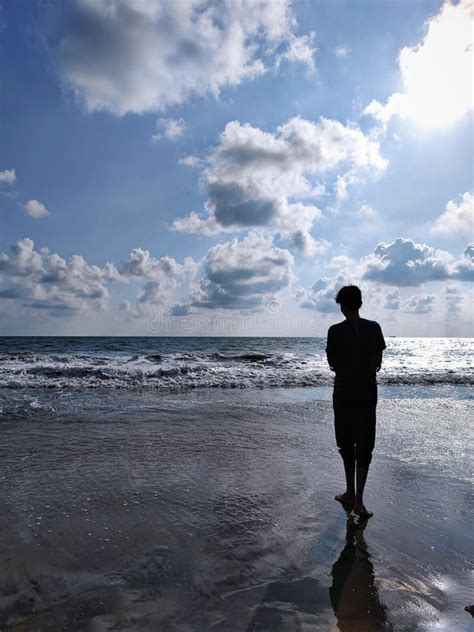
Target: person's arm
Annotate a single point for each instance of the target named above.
(380, 346)
(331, 350)
(378, 360)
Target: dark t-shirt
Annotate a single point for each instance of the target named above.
(352, 348)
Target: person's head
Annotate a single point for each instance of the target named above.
(349, 298)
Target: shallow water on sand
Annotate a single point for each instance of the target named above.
(215, 511)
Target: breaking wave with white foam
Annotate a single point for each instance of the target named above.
(186, 363)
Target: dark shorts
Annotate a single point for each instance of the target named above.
(354, 420)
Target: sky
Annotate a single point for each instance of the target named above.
(223, 167)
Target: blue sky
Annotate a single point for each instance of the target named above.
(207, 167)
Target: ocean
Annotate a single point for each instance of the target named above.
(187, 484)
(174, 364)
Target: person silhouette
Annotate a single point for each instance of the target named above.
(354, 352)
(353, 593)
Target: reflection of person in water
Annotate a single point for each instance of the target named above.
(354, 352)
(354, 596)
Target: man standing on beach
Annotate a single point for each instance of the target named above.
(354, 352)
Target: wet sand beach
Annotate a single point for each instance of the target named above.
(214, 510)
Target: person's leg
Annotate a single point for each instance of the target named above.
(359, 507)
(365, 442)
(346, 446)
(348, 497)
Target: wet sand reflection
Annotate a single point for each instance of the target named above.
(354, 596)
(290, 604)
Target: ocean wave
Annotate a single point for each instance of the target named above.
(188, 371)
(246, 357)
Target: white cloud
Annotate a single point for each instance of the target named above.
(36, 209)
(305, 243)
(436, 73)
(367, 211)
(162, 275)
(190, 161)
(341, 187)
(240, 275)
(342, 51)
(321, 295)
(392, 300)
(405, 263)
(144, 55)
(455, 300)
(141, 264)
(243, 275)
(262, 179)
(341, 262)
(463, 269)
(23, 261)
(125, 307)
(419, 304)
(8, 176)
(449, 304)
(457, 218)
(44, 281)
(171, 129)
(300, 49)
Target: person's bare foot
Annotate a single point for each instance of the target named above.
(361, 512)
(346, 498)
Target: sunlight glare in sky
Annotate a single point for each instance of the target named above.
(437, 73)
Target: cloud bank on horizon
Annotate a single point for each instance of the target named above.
(247, 206)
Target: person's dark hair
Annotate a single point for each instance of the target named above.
(349, 297)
